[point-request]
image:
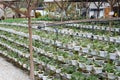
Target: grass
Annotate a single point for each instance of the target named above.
(11, 20)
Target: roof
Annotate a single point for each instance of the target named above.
(77, 0)
(87, 0)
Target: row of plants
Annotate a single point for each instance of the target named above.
(85, 50)
(23, 62)
(93, 26)
(49, 62)
(73, 41)
(76, 58)
(72, 33)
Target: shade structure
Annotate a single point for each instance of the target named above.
(88, 0)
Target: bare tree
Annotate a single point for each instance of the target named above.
(85, 5)
(4, 9)
(63, 5)
(118, 3)
(30, 4)
(98, 4)
(112, 3)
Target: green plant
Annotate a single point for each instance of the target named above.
(117, 72)
(69, 69)
(77, 76)
(109, 68)
(92, 77)
(37, 14)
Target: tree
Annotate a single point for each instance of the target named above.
(118, 3)
(30, 4)
(112, 3)
(4, 8)
(63, 5)
(98, 4)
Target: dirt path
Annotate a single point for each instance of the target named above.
(10, 72)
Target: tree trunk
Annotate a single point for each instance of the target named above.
(98, 12)
(63, 14)
(5, 15)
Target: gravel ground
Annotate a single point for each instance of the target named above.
(10, 72)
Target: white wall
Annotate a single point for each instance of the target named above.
(92, 6)
(1, 13)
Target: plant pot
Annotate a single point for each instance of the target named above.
(40, 75)
(28, 68)
(111, 76)
(47, 41)
(98, 70)
(68, 76)
(105, 38)
(103, 53)
(113, 56)
(86, 73)
(84, 35)
(20, 63)
(118, 78)
(24, 65)
(99, 60)
(52, 68)
(27, 55)
(117, 40)
(117, 67)
(35, 72)
(93, 52)
(64, 77)
(100, 38)
(70, 47)
(50, 54)
(81, 65)
(89, 36)
(95, 37)
(70, 53)
(112, 39)
(60, 58)
(90, 58)
(59, 44)
(74, 62)
(77, 48)
(15, 59)
(45, 77)
(85, 50)
(58, 70)
(89, 67)
(42, 52)
(43, 64)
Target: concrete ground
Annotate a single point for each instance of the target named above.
(10, 72)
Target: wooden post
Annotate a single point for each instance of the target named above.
(30, 46)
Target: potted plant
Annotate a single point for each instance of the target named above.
(117, 73)
(85, 50)
(97, 68)
(103, 53)
(89, 65)
(74, 62)
(92, 77)
(99, 60)
(77, 48)
(77, 76)
(110, 69)
(90, 57)
(93, 52)
(113, 56)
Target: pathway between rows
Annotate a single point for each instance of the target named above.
(10, 72)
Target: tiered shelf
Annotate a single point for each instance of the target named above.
(63, 55)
